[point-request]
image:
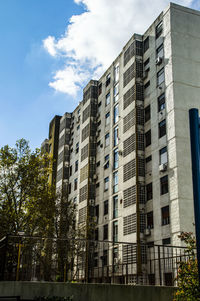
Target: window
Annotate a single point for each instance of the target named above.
(147, 113)
(149, 192)
(146, 62)
(96, 259)
(77, 147)
(116, 135)
(106, 183)
(161, 102)
(107, 118)
(115, 182)
(166, 241)
(76, 165)
(70, 170)
(115, 158)
(146, 44)
(147, 85)
(164, 185)
(116, 92)
(165, 215)
(107, 139)
(163, 155)
(116, 114)
(159, 29)
(150, 220)
(97, 211)
(108, 99)
(107, 79)
(105, 206)
(105, 232)
(115, 206)
(160, 51)
(106, 165)
(99, 88)
(70, 188)
(148, 138)
(75, 184)
(162, 128)
(148, 159)
(105, 258)
(116, 73)
(160, 77)
(148, 166)
(78, 127)
(98, 163)
(115, 231)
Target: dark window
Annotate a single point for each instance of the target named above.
(106, 158)
(77, 147)
(76, 165)
(97, 185)
(99, 88)
(148, 138)
(115, 158)
(168, 279)
(164, 185)
(146, 44)
(98, 164)
(115, 231)
(107, 79)
(163, 155)
(147, 85)
(165, 215)
(161, 102)
(150, 220)
(106, 183)
(105, 232)
(160, 51)
(152, 280)
(75, 184)
(162, 128)
(99, 123)
(146, 62)
(70, 170)
(105, 207)
(149, 192)
(148, 159)
(159, 29)
(105, 258)
(166, 241)
(115, 206)
(70, 188)
(147, 113)
(96, 234)
(107, 99)
(160, 77)
(97, 211)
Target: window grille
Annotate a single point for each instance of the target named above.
(129, 253)
(86, 114)
(129, 196)
(85, 132)
(84, 173)
(139, 69)
(129, 224)
(83, 193)
(129, 53)
(129, 121)
(141, 169)
(140, 138)
(82, 215)
(84, 152)
(140, 116)
(129, 145)
(142, 222)
(129, 170)
(139, 92)
(128, 75)
(128, 97)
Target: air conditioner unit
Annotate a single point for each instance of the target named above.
(163, 167)
(147, 232)
(159, 60)
(120, 153)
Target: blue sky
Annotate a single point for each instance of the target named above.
(50, 49)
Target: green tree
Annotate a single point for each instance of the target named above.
(187, 278)
(27, 202)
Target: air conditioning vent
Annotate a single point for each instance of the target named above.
(163, 167)
(159, 60)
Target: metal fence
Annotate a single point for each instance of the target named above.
(78, 260)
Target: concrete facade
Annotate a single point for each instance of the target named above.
(124, 153)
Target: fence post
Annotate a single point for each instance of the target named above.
(159, 265)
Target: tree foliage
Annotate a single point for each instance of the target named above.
(187, 278)
(27, 202)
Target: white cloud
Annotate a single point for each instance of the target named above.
(94, 38)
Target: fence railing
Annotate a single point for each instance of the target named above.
(78, 260)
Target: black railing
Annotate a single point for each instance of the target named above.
(52, 259)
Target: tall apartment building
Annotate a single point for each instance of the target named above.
(124, 153)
